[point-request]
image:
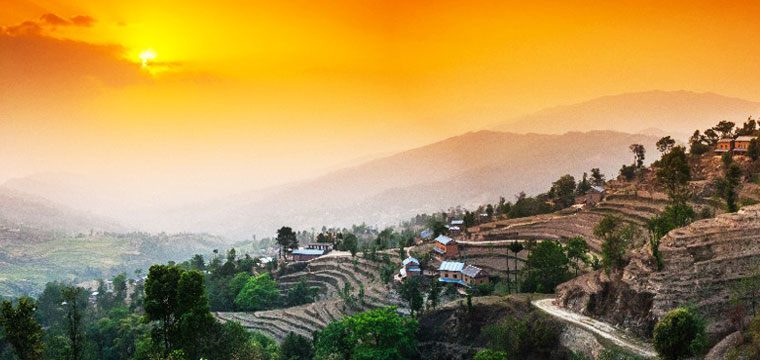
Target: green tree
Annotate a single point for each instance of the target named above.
(296, 347)
(639, 153)
(753, 151)
(673, 173)
(732, 178)
(563, 191)
(597, 178)
(546, 267)
(20, 329)
(674, 216)
(120, 288)
(724, 128)
(515, 247)
(287, 239)
(300, 294)
(583, 186)
(350, 243)
(434, 295)
(617, 236)
(680, 334)
(377, 334)
(259, 293)
(75, 300)
(160, 302)
(411, 293)
(198, 263)
(665, 144)
(577, 252)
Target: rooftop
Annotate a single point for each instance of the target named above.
(451, 266)
(457, 222)
(411, 260)
(744, 138)
(453, 281)
(443, 239)
(308, 252)
(598, 189)
(725, 140)
(472, 271)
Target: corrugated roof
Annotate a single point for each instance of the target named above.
(439, 250)
(451, 266)
(426, 233)
(454, 281)
(411, 260)
(598, 189)
(443, 239)
(471, 271)
(457, 222)
(308, 252)
(744, 138)
(725, 140)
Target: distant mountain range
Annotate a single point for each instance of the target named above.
(468, 170)
(674, 112)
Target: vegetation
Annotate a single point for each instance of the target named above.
(680, 334)
(21, 330)
(546, 267)
(258, 293)
(617, 236)
(376, 334)
(534, 336)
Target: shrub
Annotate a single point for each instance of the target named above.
(680, 334)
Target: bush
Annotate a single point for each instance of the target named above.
(680, 334)
(490, 355)
(484, 289)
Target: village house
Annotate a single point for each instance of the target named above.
(454, 272)
(724, 145)
(445, 247)
(741, 144)
(410, 267)
(424, 236)
(306, 254)
(591, 197)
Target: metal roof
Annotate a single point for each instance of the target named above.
(451, 266)
(439, 250)
(443, 239)
(308, 252)
(454, 281)
(598, 189)
(411, 260)
(426, 233)
(457, 222)
(725, 140)
(744, 138)
(471, 271)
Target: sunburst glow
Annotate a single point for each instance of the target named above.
(147, 55)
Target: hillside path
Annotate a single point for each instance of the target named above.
(605, 330)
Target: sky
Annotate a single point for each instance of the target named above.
(243, 95)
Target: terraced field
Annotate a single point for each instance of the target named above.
(329, 274)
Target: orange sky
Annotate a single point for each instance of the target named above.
(242, 96)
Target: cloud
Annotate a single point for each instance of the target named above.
(54, 20)
(47, 22)
(82, 20)
(25, 28)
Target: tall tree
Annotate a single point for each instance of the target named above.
(21, 330)
(617, 236)
(583, 186)
(546, 267)
(411, 293)
(639, 152)
(597, 178)
(563, 191)
(665, 144)
(725, 129)
(673, 172)
(287, 239)
(515, 247)
(76, 304)
(160, 302)
(577, 252)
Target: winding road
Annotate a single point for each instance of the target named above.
(607, 331)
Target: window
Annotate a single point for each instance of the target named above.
(455, 276)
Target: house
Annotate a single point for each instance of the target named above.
(454, 230)
(741, 144)
(445, 247)
(454, 272)
(306, 254)
(593, 196)
(410, 267)
(327, 247)
(724, 145)
(459, 223)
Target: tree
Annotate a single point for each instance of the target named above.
(753, 151)
(724, 128)
(674, 216)
(434, 295)
(411, 293)
(597, 178)
(748, 290)
(160, 301)
(198, 263)
(583, 186)
(515, 247)
(673, 172)
(665, 144)
(296, 347)
(732, 178)
(617, 236)
(259, 293)
(748, 129)
(75, 300)
(20, 329)
(120, 288)
(680, 334)
(350, 243)
(300, 294)
(546, 267)
(577, 252)
(563, 191)
(376, 334)
(489, 210)
(638, 151)
(287, 239)
(697, 144)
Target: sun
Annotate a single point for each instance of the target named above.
(146, 56)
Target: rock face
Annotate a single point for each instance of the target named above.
(702, 263)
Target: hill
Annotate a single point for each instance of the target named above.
(22, 209)
(467, 170)
(669, 111)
